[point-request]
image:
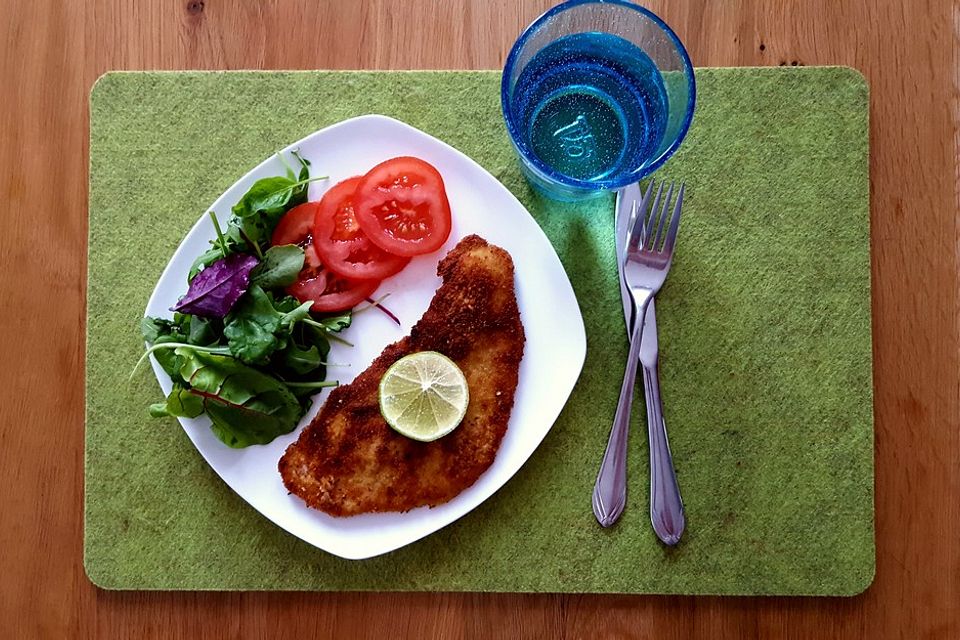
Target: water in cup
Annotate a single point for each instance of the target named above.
(592, 106)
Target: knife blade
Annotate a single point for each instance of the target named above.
(628, 199)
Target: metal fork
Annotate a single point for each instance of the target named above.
(666, 506)
(648, 255)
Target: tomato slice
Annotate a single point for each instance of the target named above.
(296, 225)
(344, 248)
(402, 206)
(328, 290)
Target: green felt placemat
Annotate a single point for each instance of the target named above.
(764, 328)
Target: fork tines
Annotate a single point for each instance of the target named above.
(651, 231)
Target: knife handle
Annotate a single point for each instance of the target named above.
(610, 489)
(666, 506)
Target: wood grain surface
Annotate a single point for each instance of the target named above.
(51, 52)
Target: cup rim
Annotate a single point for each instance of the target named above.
(637, 174)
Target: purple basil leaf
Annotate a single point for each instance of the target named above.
(215, 290)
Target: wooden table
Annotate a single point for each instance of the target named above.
(51, 52)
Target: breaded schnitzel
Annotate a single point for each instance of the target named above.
(349, 461)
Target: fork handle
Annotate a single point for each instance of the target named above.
(610, 490)
(666, 506)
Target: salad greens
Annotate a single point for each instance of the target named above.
(262, 206)
(256, 215)
(280, 267)
(238, 348)
(245, 406)
(258, 327)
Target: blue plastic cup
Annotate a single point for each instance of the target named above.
(596, 95)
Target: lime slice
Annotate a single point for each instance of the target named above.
(424, 396)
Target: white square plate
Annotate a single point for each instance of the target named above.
(553, 354)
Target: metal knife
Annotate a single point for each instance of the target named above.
(666, 505)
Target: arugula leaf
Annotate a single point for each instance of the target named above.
(183, 328)
(159, 331)
(337, 323)
(153, 328)
(214, 291)
(254, 230)
(245, 406)
(294, 316)
(251, 327)
(201, 331)
(301, 361)
(286, 165)
(222, 247)
(271, 196)
(280, 267)
(257, 213)
(308, 335)
(286, 304)
(305, 353)
(262, 206)
(255, 329)
(305, 391)
(300, 193)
